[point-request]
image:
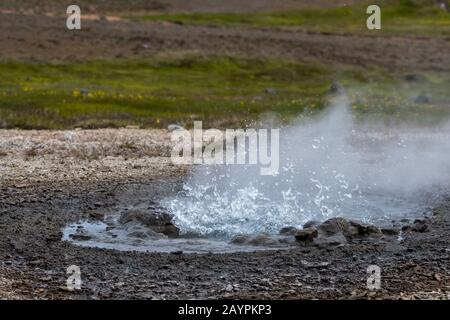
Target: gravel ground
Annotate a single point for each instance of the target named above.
(49, 179)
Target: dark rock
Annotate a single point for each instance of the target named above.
(421, 225)
(146, 218)
(414, 78)
(80, 237)
(262, 239)
(169, 230)
(288, 231)
(95, 215)
(335, 239)
(335, 88)
(311, 224)
(422, 98)
(390, 231)
(270, 91)
(240, 239)
(406, 228)
(306, 235)
(362, 230)
(334, 225)
(158, 222)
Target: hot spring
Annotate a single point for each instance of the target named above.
(330, 166)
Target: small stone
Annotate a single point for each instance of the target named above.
(80, 237)
(421, 225)
(229, 288)
(262, 239)
(270, 91)
(335, 88)
(332, 240)
(239, 239)
(306, 235)
(390, 231)
(288, 231)
(362, 230)
(334, 225)
(422, 98)
(95, 215)
(414, 78)
(174, 127)
(310, 224)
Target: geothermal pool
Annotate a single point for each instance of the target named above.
(329, 167)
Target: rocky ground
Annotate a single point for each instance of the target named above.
(49, 179)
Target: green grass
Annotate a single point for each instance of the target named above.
(412, 17)
(222, 92)
(154, 93)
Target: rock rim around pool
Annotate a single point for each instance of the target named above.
(332, 232)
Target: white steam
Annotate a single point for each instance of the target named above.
(329, 166)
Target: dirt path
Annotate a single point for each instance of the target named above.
(41, 192)
(45, 38)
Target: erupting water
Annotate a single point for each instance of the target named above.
(329, 167)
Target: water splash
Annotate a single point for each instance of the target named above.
(329, 167)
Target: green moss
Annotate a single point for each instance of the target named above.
(220, 91)
(154, 93)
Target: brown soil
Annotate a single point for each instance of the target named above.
(39, 37)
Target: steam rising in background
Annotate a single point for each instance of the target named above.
(329, 166)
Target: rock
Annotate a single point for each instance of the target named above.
(334, 225)
(240, 239)
(80, 237)
(262, 239)
(422, 98)
(359, 229)
(229, 288)
(333, 240)
(306, 235)
(145, 218)
(335, 88)
(173, 127)
(95, 215)
(421, 225)
(158, 222)
(390, 231)
(288, 231)
(414, 78)
(270, 91)
(169, 230)
(310, 224)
